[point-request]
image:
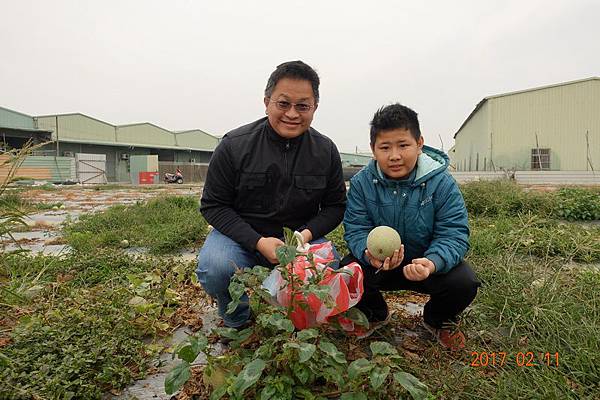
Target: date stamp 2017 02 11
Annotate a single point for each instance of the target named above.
(520, 359)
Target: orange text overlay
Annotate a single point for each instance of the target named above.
(520, 359)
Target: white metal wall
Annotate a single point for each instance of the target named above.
(553, 178)
(91, 168)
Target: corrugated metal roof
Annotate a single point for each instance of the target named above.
(113, 143)
(194, 130)
(480, 104)
(121, 144)
(67, 114)
(16, 112)
(145, 124)
(123, 125)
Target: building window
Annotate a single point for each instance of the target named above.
(540, 159)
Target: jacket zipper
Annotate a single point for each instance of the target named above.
(285, 160)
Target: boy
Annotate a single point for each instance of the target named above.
(407, 186)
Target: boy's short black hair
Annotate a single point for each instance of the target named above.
(395, 116)
(294, 70)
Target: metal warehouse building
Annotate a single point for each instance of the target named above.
(554, 128)
(79, 133)
(17, 128)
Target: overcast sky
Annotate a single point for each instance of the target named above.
(204, 64)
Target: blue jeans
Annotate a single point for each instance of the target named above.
(217, 261)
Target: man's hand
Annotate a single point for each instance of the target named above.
(306, 235)
(389, 263)
(266, 246)
(419, 270)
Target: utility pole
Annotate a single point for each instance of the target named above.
(492, 151)
(539, 156)
(589, 159)
(57, 142)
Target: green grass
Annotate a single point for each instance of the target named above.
(539, 294)
(529, 234)
(14, 200)
(528, 305)
(74, 334)
(73, 331)
(503, 197)
(162, 225)
(506, 198)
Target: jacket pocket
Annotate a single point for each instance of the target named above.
(310, 182)
(251, 192)
(380, 212)
(306, 195)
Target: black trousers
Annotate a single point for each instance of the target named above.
(450, 293)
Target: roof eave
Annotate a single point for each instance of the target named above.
(122, 144)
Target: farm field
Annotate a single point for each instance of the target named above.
(99, 280)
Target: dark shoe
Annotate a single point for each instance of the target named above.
(449, 338)
(226, 340)
(373, 326)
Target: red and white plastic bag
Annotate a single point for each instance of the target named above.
(345, 288)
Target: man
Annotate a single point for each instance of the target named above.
(272, 173)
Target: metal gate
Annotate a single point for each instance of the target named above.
(91, 168)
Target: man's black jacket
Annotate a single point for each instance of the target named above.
(259, 182)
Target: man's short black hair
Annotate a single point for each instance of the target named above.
(294, 70)
(395, 116)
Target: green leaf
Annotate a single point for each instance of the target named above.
(268, 392)
(4, 360)
(265, 351)
(288, 236)
(233, 304)
(218, 393)
(301, 372)
(358, 367)
(306, 351)
(177, 377)
(357, 316)
(307, 334)
(190, 351)
(237, 337)
(354, 396)
(414, 386)
(383, 348)
(248, 377)
(378, 376)
(236, 290)
(186, 353)
(303, 393)
(285, 254)
(332, 351)
(281, 323)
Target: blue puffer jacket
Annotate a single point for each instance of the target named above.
(427, 209)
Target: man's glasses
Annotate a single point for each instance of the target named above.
(286, 106)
